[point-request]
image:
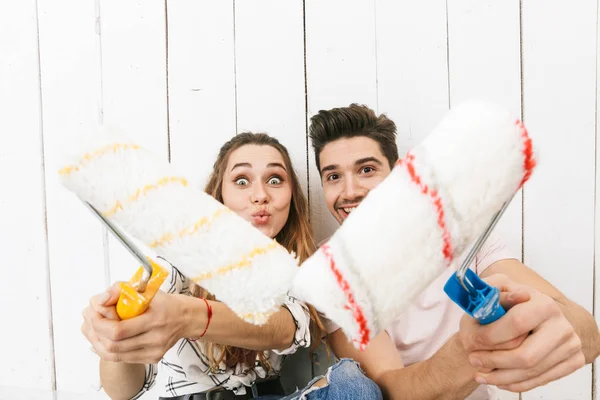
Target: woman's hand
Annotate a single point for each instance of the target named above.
(143, 339)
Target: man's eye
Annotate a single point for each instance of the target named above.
(366, 170)
(333, 177)
(241, 181)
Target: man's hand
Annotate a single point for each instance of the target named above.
(144, 339)
(530, 346)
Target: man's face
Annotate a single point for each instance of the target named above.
(350, 168)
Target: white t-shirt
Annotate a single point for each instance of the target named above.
(433, 317)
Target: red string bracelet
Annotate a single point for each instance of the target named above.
(209, 312)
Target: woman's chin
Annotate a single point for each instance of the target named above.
(265, 229)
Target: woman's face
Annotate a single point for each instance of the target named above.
(257, 187)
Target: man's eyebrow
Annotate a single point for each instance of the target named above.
(360, 161)
(368, 159)
(328, 168)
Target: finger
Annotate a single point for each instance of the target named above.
(509, 345)
(474, 339)
(519, 320)
(87, 332)
(99, 299)
(146, 322)
(515, 375)
(107, 328)
(141, 356)
(91, 338)
(97, 312)
(144, 355)
(117, 330)
(110, 297)
(510, 299)
(108, 312)
(547, 339)
(561, 370)
(124, 329)
(132, 344)
(502, 282)
(114, 293)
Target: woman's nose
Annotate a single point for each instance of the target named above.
(260, 195)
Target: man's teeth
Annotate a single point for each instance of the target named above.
(349, 210)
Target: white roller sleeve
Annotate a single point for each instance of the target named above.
(436, 201)
(155, 204)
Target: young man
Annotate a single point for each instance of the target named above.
(435, 350)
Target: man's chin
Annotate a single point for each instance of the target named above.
(340, 218)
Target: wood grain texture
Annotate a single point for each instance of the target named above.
(341, 68)
(28, 359)
(559, 67)
(70, 70)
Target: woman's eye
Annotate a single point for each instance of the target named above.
(241, 181)
(275, 181)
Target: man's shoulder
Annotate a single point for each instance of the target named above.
(323, 241)
(494, 249)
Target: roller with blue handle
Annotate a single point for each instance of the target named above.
(442, 199)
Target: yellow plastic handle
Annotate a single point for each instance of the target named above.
(133, 303)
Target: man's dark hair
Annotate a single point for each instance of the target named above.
(347, 122)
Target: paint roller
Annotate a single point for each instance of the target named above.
(135, 193)
(445, 194)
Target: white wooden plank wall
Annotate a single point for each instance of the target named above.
(184, 76)
(71, 105)
(341, 68)
(271, 94)
(134, 89)
(559, 105)
(24, 287)
(201, 84)
(484, 62)
(490, 30)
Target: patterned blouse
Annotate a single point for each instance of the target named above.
(184, 369)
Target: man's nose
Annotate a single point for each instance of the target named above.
(353, 189)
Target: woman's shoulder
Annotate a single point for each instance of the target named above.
(176, 282)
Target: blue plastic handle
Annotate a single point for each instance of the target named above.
(484, 307)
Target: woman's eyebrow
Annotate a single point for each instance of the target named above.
(239, 165)
(276, 164)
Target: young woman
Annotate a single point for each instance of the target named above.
(218, 356)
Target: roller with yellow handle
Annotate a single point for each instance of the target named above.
(136, 294)
(155, 204)
(133, 303)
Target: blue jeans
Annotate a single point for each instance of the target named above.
(346, 381)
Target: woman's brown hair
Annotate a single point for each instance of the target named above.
(296, 236)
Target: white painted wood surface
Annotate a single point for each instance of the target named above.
(484, 62)
(201, 84)
(71, 104)
(341, 68)
(559, 94)
(412, 75)
(22, 228)
(270, 95)
(596, 364)
(270, 74)
(235, 66)
(134, 90)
